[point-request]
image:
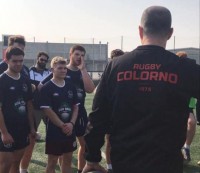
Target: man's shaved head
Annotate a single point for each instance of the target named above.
(156, 21)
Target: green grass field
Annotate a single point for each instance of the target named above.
(39, 159)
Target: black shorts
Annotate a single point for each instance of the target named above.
(19, 143)
(80, 125)
(60, 147)
(108, 131)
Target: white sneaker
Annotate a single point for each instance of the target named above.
(38, 136)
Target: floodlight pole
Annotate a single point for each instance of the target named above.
(122, 39)
(174, 43)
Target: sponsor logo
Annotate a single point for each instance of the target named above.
(12, 88)
(55, 94)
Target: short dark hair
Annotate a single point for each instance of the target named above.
(12, 50)
(77, 47)
(16, 39)
(116, 52)
(42, 53)
(156, 20)
(181, 54)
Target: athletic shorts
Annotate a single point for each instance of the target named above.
(108, 131)
(19, 143)
(60, 147)
(80, 125)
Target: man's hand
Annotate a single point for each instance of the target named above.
(82, 65)
(67, 128)
(93, 166)
(7, 139)
(33, 133)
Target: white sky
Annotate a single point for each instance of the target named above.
(104, 20)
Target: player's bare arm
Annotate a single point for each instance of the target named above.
(72, 122)
(30, 117)
(88, 83)
(5, 135)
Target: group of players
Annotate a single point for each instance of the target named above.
(145, 117)
(25, 101)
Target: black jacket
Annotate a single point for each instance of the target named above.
(143, 96)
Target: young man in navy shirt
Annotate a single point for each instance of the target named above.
(16, 120)
(78, 75)
(59, 102)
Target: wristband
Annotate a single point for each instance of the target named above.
(72, 123)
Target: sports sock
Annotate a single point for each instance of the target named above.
(23, 170)
(187, 146)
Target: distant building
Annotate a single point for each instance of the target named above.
(193, 53)
(96, 54)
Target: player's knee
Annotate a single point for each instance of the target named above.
(15, 164)
(108, 145)
(52, 162)
(67, 162)
(192, 121)
(5, 164)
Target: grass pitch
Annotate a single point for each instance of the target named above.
(39, 159)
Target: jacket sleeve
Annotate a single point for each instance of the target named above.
(99, 118)
(190, 77)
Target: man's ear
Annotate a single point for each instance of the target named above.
(141, 32)
(70, 54)
(6, 60)
(170, 33)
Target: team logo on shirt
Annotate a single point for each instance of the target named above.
(65, 112)
(70, 94)
(24, 87)
(20, 106)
